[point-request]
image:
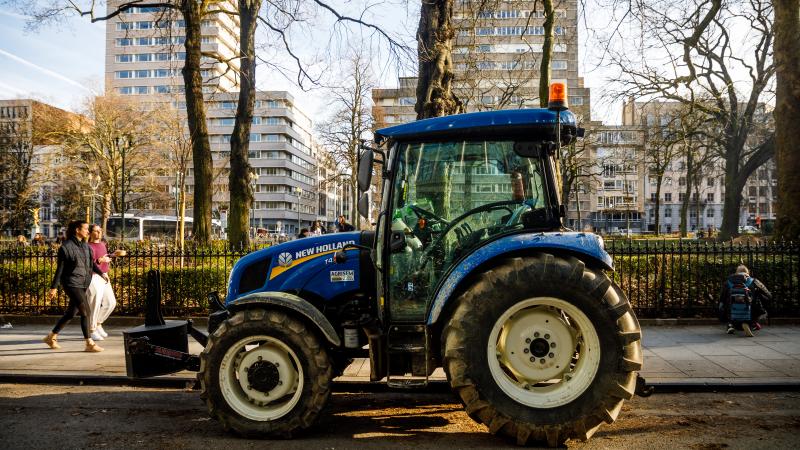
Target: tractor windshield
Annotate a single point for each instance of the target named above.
(449, 197)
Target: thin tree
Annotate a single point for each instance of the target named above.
(342, 132)
(435, 35)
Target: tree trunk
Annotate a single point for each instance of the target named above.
(198, 129)
(659, 178)
(687, 195)
(787, 116)
(435, 35)
(547, 53)
(241, 191)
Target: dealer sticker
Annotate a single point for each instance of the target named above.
(342, 275)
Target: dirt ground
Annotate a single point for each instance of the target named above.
(44, 416)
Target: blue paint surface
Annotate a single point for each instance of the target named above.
(502, 118)
(313, 275)
(581, 243)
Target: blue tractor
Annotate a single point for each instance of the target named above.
(469, 268)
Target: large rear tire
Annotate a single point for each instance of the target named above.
(264, 374)
(542, 349)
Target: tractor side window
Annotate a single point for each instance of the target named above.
(447, 198)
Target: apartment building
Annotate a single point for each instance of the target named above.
(144, 57)
(707, 195)
(496, 57)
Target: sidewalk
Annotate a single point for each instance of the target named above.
(673, 355)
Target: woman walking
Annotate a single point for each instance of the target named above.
(74, 272)
(101, 295)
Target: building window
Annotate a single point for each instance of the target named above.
(121, 74)
(558, 64)
(255, 137)
(124, 58)
(710, 182)
(681, 196)
(143, 41)
(141, 90)
(576, 101)
(162, 56)
(144, 57)
(653, 197)
(142, 74)
(127, 90)
(273, 121)
(124, 42)
(668, 197)
(161, 73)
(710, 197)
(121, 26)
(228, 105)
(226, 121)
(408, 101)
(667, 212)
(161, 89)
(710, 212)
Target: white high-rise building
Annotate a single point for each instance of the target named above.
(144, 58)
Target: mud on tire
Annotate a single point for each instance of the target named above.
(465, 346)
(285, 333)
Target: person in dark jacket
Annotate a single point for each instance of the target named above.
(342, 225)
(742, 284)
(74, 273)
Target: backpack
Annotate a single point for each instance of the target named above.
(740, 298)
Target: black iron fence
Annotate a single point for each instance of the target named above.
(661, 279)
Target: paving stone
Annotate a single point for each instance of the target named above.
(702, 369)
(739, 364)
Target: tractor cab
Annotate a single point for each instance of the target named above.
(454, 184)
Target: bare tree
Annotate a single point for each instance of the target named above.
(350, 122)
(111, 130)
(688, 56)
(579, 170)
(787, 116)
(16, 173)
(660, 151)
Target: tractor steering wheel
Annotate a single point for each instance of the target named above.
(505, 204)
(424, 213)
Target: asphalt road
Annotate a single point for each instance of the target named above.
(108, 417)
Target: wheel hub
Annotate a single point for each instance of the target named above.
(263, 376)
(540, 347)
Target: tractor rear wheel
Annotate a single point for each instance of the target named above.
(542, 349)
(265, 374)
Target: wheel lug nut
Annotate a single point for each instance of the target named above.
(259, 358)
(551, 355)
(552, 345)
(527, 340)
(526, 350)
(280, 382)
(541, 360)
(536, 334)
(547, 336)
(277, 365)
(533, 359)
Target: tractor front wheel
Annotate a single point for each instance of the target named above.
(542, 348)
(264, 374)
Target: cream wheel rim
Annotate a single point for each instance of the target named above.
(242, 380)
(543, 352)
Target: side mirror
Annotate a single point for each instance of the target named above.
(397, 242)
(363, 205)
(365, 170)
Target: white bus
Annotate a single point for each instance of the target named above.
(155, 228)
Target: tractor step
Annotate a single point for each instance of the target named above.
(406, 382)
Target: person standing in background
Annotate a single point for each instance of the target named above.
(102, 300)
(74, 273)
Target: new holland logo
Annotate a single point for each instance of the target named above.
(285, 259)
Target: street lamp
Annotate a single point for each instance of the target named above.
(298, 191)
(126, 141)
(253, 183)
(94, 183)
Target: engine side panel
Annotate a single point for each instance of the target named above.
(585, 244)
(303, 265)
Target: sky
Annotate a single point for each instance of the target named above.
(65, 64)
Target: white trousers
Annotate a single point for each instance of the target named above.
(101, 301)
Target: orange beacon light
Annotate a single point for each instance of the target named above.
(558, 97)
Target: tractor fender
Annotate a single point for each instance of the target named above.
(286, 301)
(586, 246)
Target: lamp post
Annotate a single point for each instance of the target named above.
(299, 191)
(122, 149)
(94, 183)
(253, 183)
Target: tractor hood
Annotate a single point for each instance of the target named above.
(296, 266)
